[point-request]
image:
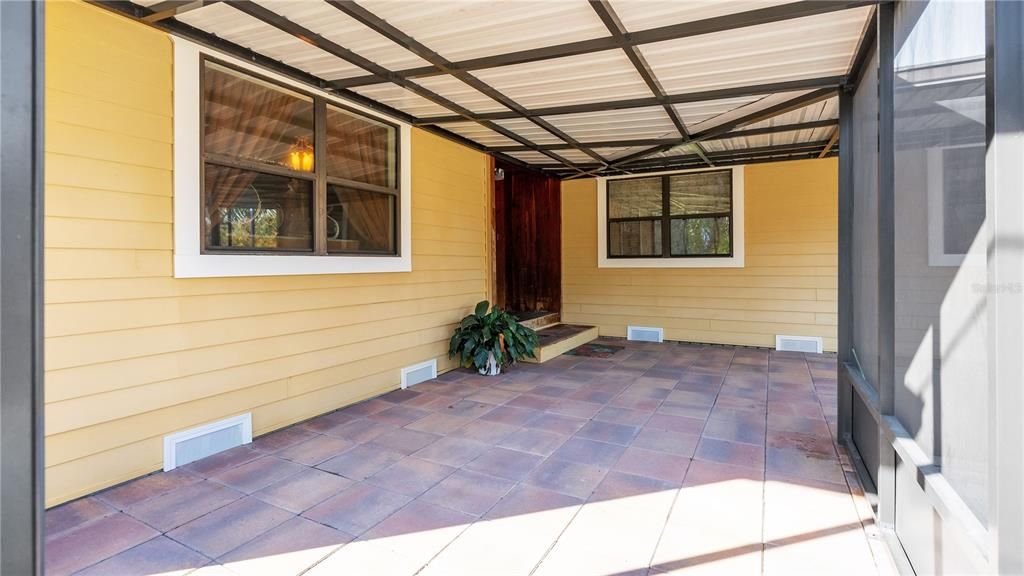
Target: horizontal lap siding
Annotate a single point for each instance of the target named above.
(787, 286)
(132, 353)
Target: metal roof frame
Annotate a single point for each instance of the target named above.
(164, 15)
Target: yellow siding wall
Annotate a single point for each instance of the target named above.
(132, 353)
(788, 285)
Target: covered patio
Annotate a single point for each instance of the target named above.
(657, 459)
(772, 249)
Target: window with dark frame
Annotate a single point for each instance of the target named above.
(286, 172)
(686, 215)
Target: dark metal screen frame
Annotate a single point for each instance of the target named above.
(1001, 539)
(21, 287)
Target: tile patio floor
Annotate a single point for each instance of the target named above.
(663, 459)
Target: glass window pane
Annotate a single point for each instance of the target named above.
(248, 210)
(941, 260)
(360, 149)
(701, 193)
(635, 238)
(360, 221)
(638, 197)
(700, 236)
(249, 119)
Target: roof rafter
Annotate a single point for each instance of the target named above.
(618, 30)
(688, 97)
(180, 29)
(756, 116)
(671, 32)
(659, 141)
(171, 8)
(306, 35)
(382, 27)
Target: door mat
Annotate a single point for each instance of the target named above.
(592, 350)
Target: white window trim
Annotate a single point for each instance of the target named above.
(734, 261)
(189, 262)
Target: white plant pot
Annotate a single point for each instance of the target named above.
(492, 368)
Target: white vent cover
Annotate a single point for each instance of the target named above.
(417, 373)
(190, 445)
(811, 344)
(645, 334)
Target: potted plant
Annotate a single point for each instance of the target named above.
(490, 339)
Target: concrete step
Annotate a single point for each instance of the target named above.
(557, 339)
(536, 321)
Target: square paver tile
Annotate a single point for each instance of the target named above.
(281, 439)
(510, 415)
(533, 441)
(73, 514)
(587, 451)
(728, 452)
(93, 542)
(666, 441)
(483, 431)
(140, 489)
(303, 490)
(184, 504)
(399, 415)
(571, 478)
(411, 476)
(452, 451)
(505, 463)
(316, 450)
(439, 423)
(468, 492)
(557, 423)
(285, 550)
(358, 508)
(257, 474)
(404, 440)
(361, 462)
(659, 465)
(608, 432)
(229, 527)
(161, 555)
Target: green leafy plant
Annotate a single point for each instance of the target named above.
(491, 333)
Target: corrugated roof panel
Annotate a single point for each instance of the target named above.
(574, 155)
(535, 157)
(402, 99)
(464, 29)
(616, 153)
(654, 13)
(825, 110)
(807, 47)
(224, 21)
(529, 130)
(457, 91)
(631, 123)
(694, 113)
(479, 134)
(756, 106)
(607, 75)
(338, 27)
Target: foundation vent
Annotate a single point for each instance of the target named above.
(190, 445)
(810, 344)
(645, 334)
(412, 375)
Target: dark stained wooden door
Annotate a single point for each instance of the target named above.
(528, 240)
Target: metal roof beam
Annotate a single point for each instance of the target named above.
(178, 28)
(701, 96)
(757, 116)
(659, 141)
(171, 8)
(723, 23)
(316, 40)
(618, 30)
(382, 27)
